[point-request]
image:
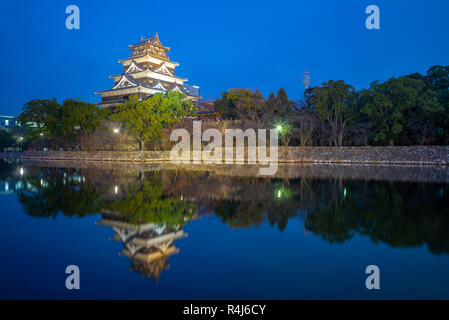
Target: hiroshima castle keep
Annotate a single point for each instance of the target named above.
(147, 71)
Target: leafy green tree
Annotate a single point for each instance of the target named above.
(243, 104)
(334, 103)
(397, 105)
(41, 114)
(284, 106)
(182, 106)
(78, 117)
(48, 119)
(226, 107)
(438, 78)
(145, 119)
(271, 102)
(278, 108)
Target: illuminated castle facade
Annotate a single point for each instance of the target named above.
(147, 71)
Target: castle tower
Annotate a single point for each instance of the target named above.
(147, 71)
(306, 80)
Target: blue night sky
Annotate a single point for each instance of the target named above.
(219, 44)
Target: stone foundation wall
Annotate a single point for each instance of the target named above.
(417, 155)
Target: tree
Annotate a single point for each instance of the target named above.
(271, 104)
(283, 105)
(145, 119)
(42, 114)
(398, 105)
(305, 122)
(78, 118)
(180, 105)
(226, 107)
(244, 104)
(66, 122)
(334, 103)
(437, 78)
(277, 108)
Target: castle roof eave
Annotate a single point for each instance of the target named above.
(156, 87)
(112, 76)
(118, 89)
(147, 54)
(140, 44)
(127, 88)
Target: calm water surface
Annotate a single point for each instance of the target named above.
(163, 234)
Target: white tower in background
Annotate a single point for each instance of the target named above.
(306, 80)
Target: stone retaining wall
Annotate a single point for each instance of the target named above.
(417, 155)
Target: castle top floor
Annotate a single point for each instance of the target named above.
(150, 46)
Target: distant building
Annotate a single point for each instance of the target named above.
(306, 80)
(7, 122)
(147, 71)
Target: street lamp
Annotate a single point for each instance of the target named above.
(279, 127)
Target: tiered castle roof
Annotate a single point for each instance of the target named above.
(147, 71)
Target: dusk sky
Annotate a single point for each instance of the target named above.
(219, 44)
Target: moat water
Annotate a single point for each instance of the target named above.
(149, 232)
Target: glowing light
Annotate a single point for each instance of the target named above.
(116, 189)
(283, 128)
(21, 171)
(282, 193)
(116, 130)
(344, 192)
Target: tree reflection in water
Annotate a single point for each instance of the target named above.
(159, 203)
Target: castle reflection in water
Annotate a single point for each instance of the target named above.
(147, 208)
(147, 245)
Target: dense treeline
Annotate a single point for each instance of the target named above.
(78, 125)
(410, 110)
